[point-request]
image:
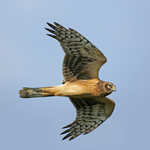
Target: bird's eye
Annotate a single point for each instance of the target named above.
(108, 86)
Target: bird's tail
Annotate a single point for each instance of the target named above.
(36, 92)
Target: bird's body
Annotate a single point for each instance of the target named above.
(84, 88)
(81, 84)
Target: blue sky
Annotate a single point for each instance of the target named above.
(29, 58)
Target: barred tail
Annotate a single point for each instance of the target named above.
(35, 92)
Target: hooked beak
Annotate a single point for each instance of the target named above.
(114, 88)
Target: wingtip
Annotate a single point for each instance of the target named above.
(51, 25)
(67, 136)
(46, 28)
(48, 23)
(66, 131)
(56, 23)
(53, 36)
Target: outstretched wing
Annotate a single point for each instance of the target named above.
(91, 112)
(82, 60)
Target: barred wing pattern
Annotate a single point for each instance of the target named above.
(83, 60)
(91, 113)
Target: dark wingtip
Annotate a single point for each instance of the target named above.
(48, 23)
(46, 29)
(51, 31)
(69, 125)
(52, 26)
(65, 137)
(66, 131)
(51, 35)
(71, 138)
(57, 24)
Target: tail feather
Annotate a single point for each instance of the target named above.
(33, 92)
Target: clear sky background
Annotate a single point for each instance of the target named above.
(121, 29)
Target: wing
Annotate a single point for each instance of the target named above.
(82, 60)
(91, 112)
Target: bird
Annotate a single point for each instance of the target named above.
(81, 84)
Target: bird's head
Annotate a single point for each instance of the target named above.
(109, 87)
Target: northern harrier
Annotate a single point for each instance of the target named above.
(81, 84)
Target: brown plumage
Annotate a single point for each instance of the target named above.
(81, 84)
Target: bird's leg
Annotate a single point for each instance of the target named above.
(39, 92)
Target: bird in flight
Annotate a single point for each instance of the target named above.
(81, 83)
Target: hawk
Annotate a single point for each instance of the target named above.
(81, 83)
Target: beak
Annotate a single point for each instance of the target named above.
(114, 88)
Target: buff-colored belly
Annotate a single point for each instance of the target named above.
(80, 87)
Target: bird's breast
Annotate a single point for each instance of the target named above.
(83, 87)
